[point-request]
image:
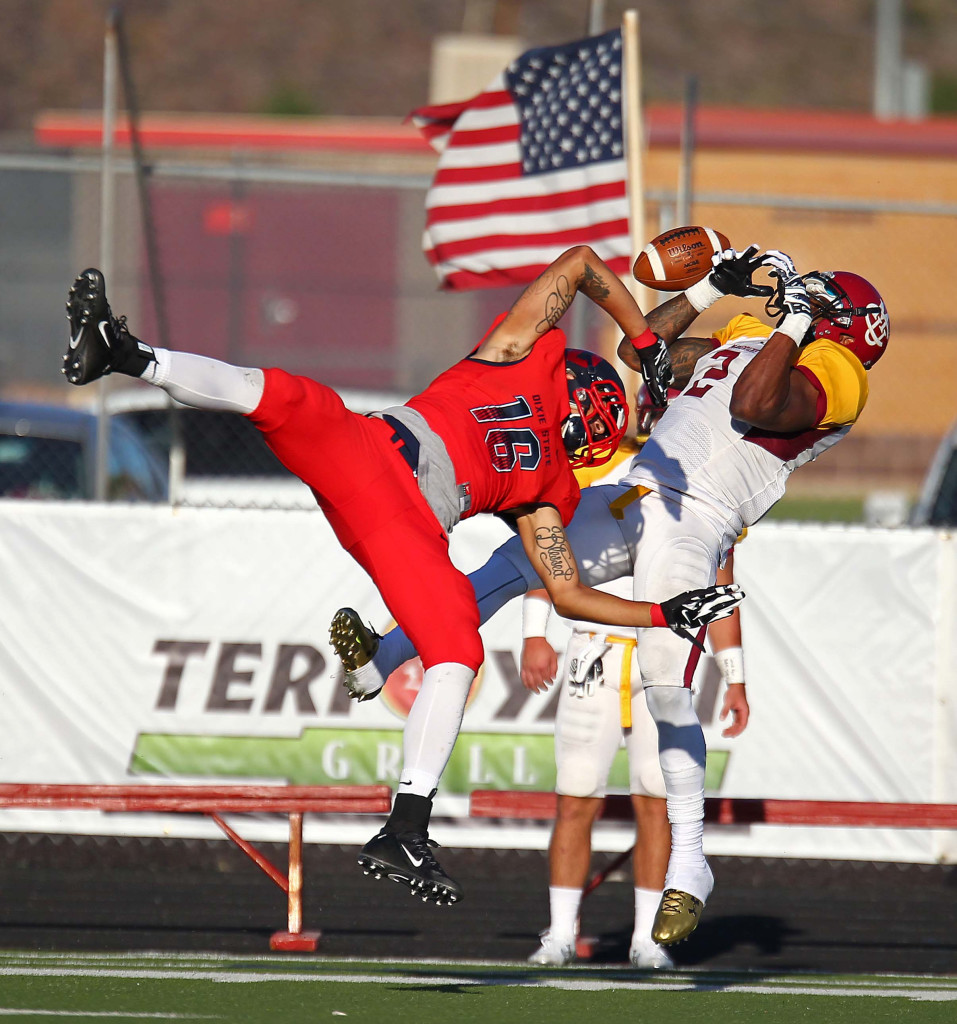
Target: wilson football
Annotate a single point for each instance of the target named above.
(676, 259)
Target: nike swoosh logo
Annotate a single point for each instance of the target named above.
(101, 326)
(415, 863)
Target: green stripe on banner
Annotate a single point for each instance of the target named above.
(365, 757)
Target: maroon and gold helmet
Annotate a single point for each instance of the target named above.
(647, 412)
(848, 310)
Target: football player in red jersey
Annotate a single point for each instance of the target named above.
(488, 435)
(762, 400)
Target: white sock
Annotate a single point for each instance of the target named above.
(682, 754)
(433, 726)
(204, 383)
(367, 677)
(646, 906)
(563, 905)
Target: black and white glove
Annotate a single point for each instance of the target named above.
(733, 271)
(688, 612)
(656, 370)
(731, 275)
(792, 295)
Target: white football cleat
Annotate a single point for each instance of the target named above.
(649, 956)
(554, 951)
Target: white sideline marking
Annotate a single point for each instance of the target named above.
(10, 1011)
(519, 979)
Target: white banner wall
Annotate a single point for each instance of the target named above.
(150, 644)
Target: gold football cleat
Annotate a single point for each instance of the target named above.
(678, 916)
(356, 645)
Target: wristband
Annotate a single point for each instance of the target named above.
(658, 616)
(535, 612)
(730, 663)
(703, 294)
(647, 339)
(795, 326)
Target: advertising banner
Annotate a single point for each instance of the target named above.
(144, 644)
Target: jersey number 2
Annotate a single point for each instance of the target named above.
(725, 358)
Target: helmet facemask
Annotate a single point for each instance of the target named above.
(862, 328)
(597, 410)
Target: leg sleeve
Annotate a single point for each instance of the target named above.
(203, 383)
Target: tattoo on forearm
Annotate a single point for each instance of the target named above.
(556, 302)
(672, 318)
(685, 353)
(592, 284)
(554, 553)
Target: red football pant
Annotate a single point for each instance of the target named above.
(374, 505)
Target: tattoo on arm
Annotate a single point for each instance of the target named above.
(685, 353)
(560, 297)
(554, 553)
(592, 284)
(672, 318)
(556, 303)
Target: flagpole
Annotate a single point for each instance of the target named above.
(582, 312)
(686, 164)
(634, 146)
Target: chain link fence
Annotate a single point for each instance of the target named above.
(321, 273)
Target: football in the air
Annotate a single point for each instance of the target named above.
(676, 259)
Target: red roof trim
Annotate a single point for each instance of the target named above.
(715, 128)
(209, 131)
(805, 130)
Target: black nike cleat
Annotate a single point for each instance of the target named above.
(406, 857)
(100, 343)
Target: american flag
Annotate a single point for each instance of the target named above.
(532, 165)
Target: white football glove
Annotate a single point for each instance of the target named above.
(792, 295)
(586, 672)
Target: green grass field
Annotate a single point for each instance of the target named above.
(299, 989)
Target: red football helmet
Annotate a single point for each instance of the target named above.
(598, 412)
(849, 311)
(647, 412)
